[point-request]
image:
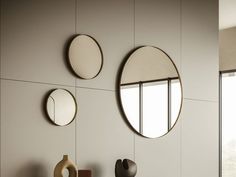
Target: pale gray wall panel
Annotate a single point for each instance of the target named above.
(29, 141)
(33, 37)
(200, 139)
(102, 134)
(200, 59)
(227, 42)
(159, 156)
(200, 70)
(157, 23)
(110, 22)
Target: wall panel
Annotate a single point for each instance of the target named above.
(33, 39)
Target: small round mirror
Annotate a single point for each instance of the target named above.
(150, 92)
(61, 107)
(85, 57)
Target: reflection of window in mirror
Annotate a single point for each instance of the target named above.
(228, 124)
(131, 95)
(155, 108)
(175, 100)
(152, 107)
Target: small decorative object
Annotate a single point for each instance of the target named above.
(85, 57)
(127, 168)
(85, 173)
(61, 107)
(65, 163)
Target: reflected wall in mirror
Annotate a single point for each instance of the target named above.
(150, 92)
(85, 57)
(61, 107)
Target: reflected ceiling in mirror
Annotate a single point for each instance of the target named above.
(61, 107)
(85, 57)
(150, 92)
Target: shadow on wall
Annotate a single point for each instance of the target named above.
(32, 169)
(44, 106)
(66, 55)
(96, 170)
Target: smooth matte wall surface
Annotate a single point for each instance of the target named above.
(34, 35)
(227, 42)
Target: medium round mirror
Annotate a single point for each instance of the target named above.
(150, 92)
(85, 57)
(61, 107)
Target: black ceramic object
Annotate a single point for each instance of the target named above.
(127, 168)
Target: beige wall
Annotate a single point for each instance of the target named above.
(33, 38)
(227, 51)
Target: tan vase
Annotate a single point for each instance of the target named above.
(65, 163)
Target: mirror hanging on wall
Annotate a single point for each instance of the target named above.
(61, 107)
(150, 92)
(85, 57)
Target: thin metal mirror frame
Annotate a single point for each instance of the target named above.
(119, 93)
(76, 106)
(100, 49)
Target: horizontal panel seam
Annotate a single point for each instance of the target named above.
(54, 84)
(194, 99)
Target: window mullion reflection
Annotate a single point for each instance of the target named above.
(169, 103)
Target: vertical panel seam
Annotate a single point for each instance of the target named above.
(134, 153)
(1, 88)
(181, 125)
(134, 23)
(76, 11)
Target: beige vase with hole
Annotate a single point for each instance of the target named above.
(65, 163)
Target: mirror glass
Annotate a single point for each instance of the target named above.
(85, 57)
(150, 92)
(61, 107)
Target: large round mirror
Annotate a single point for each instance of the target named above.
(150, 91)
(61, 107)
(85, 57)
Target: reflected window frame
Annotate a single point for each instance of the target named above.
(141, 84)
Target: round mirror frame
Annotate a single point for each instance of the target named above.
(121, 68)
(47, 99)
(69, 60)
